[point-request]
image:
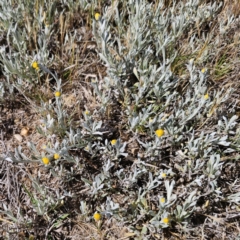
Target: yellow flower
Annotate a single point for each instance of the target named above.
(97, 216)
(56, 156)
(57, 94)
(35, 65)
(206, 96)
(45, 160)
(203, 70)
(165, 220)
(114, 141)
(87, 112)
(163, 175)
(97, 16)
(162, 200)
(159, 132)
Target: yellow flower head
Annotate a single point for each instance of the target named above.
(97, 216)
(203, 70)
(45, 160)
(87, 112)
(35, 65)
(56, 156)
(114, 141)
(163, 175)
(159, 132)
(206, 96)
(97, 16)
(162, 200)
(57, 94)
(165, 220)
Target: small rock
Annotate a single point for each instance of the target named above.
(18, 137)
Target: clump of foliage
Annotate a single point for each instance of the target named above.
(131, 133)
